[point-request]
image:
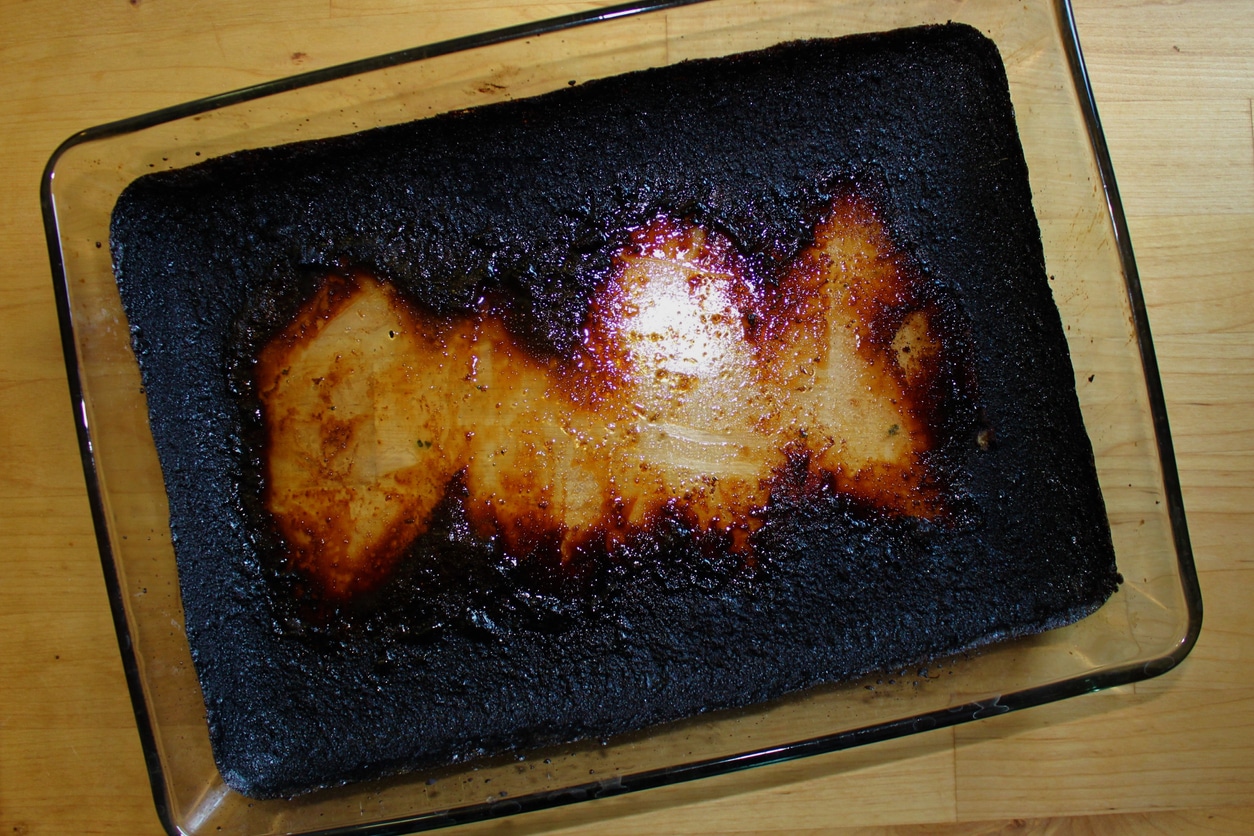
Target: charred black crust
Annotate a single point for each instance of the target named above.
(530, 199)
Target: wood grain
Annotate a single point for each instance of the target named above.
(1174, 82)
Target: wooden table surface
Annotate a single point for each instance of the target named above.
(1175, 85)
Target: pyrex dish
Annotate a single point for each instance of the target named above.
(1145, 629)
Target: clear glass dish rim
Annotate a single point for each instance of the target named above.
(950, 716)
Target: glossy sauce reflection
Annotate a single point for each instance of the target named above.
(695, 392)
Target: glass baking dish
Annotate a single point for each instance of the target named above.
(1144, 630)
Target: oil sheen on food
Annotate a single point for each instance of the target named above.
(697, 392)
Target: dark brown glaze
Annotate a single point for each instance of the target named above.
(698, 392)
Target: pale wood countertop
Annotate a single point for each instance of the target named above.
(1175, 84)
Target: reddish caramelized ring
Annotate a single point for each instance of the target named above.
(692, 393)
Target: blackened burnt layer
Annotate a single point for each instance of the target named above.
(530, 199)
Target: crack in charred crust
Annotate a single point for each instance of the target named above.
(699, 392)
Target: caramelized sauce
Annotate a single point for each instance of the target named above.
(699, 391)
